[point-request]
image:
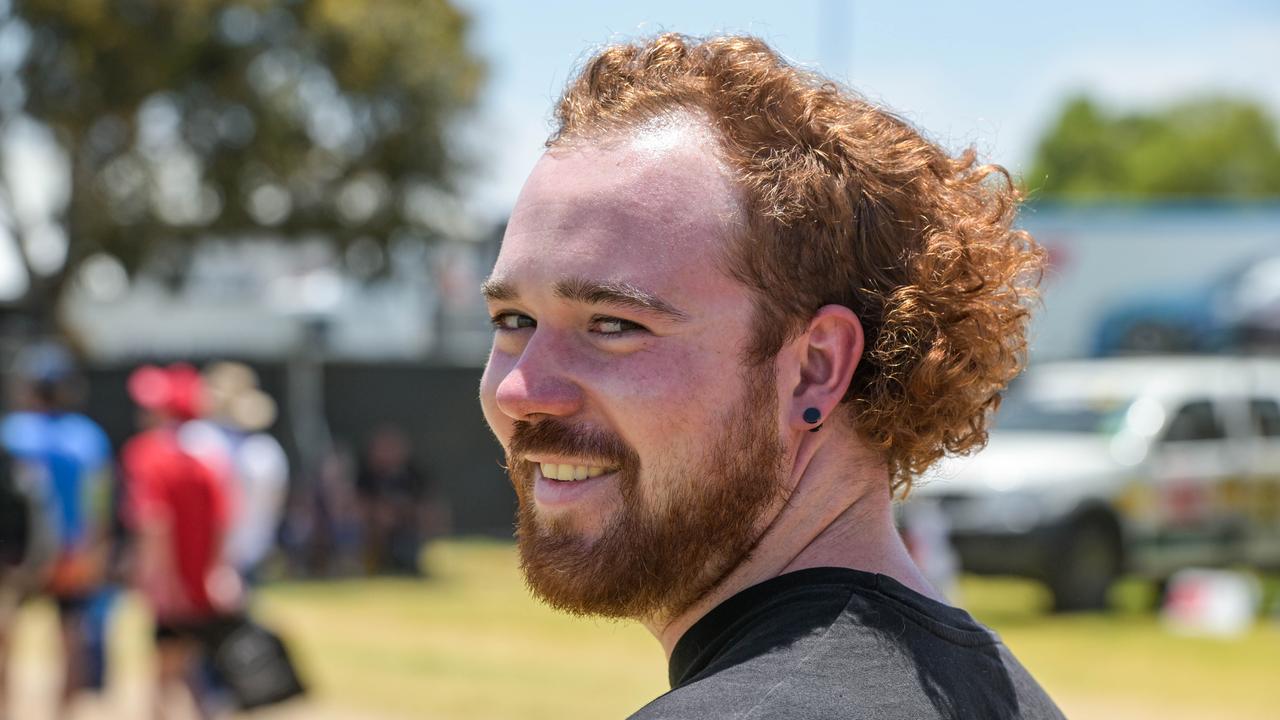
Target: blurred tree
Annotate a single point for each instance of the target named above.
(180, 120)
(1207, 148)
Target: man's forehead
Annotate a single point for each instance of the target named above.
(668, 172)
(656, 204)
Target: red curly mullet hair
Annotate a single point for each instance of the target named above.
(846, 204)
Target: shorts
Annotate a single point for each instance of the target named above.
(72, 606)
(208, 632)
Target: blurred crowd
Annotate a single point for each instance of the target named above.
(196, 509)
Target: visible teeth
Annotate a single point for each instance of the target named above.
(570, 473)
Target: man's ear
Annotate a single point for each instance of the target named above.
(828, 353)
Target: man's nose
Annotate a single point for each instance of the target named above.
(538, 384)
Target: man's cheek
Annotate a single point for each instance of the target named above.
(494, 372)
(670, 379)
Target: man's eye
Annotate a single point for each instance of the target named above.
(512, 321)
(614, 326)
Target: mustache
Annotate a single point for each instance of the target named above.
(555, 437)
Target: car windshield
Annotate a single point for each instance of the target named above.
(1020, 412)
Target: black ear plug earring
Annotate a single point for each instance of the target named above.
(813, 415)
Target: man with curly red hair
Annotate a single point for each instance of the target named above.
(736, 310)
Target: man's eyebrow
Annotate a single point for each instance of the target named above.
(592, 292)
(497, 290)
(622, 294)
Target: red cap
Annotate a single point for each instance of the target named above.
(174, 390)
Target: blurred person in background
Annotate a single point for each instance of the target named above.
(180, 509)
(16, 511)
(62, 463)
(228, 438)
(26, 549)
(321, 534)
(737, 309)
(396, 503)
(232, 433)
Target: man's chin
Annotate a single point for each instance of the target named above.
(605, 576)
(563, 571)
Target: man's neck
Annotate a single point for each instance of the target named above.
(840, 515)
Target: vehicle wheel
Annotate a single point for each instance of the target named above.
(1087, 562)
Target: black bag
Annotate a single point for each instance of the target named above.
(255, 664)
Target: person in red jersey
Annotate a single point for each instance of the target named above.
(180, 509)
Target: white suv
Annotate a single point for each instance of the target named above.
(1100, 467)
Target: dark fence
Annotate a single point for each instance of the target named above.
(436, 407)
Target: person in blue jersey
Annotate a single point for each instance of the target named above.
(61, 459)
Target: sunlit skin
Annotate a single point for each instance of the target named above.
(651, 213)
(618, 216)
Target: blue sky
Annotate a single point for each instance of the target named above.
(984, 74)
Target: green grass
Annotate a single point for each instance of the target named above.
(1126, 660)
(470, 644)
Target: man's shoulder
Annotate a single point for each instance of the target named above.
(868, 685)
(887, 653)
(876, 698)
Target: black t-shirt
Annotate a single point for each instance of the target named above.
(840, 643)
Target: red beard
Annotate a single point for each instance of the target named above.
(652, 561)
